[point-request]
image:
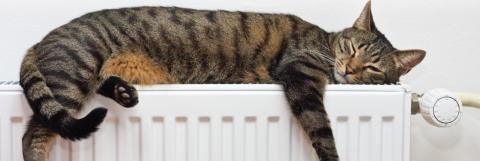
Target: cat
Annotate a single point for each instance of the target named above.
(107, 51)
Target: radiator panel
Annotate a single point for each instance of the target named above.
(225, 123)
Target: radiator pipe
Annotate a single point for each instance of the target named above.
(469, 99)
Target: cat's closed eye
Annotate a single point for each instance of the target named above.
(371, 68)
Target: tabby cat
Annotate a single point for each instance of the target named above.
(107, 51)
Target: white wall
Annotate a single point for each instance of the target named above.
(447, 30)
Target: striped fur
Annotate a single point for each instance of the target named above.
(106, 51)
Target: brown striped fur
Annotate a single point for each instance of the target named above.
(106, 51)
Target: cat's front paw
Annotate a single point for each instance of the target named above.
(329, 158)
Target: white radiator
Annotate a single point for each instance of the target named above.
(225, 123)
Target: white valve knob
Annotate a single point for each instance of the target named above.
(440, 107)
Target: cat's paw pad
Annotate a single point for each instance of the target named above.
(125, 94)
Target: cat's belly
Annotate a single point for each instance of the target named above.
(137, 68)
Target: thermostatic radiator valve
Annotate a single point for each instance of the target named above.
(439, 107)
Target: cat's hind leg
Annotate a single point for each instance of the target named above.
(36, 141)
(130, 67)
(119, 90)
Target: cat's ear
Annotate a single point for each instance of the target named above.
(365, 21)
(407, 59)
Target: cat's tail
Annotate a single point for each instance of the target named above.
(48, 110)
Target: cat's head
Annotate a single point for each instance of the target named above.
(364, 55)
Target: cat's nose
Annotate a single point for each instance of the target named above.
(349, 69)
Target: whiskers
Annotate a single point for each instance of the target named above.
(322, 56)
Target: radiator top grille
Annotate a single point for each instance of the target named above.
(14, 86)
(17, 82)
(9, 82)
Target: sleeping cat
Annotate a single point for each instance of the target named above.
(105, 52)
